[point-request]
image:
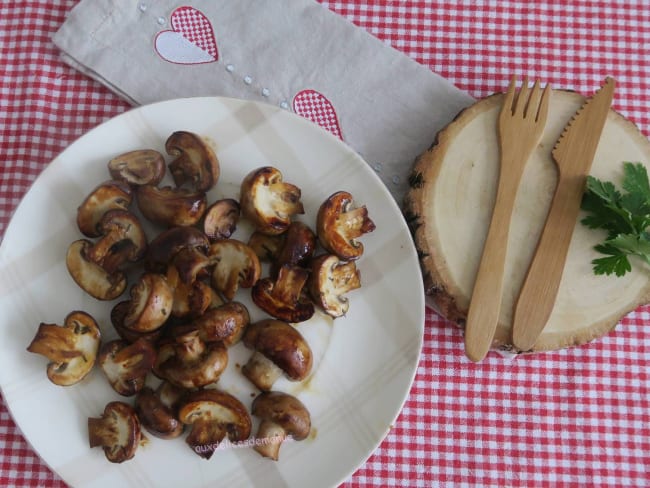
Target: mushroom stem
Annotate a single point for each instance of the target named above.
(55, 343)
(269, 439)
(261, 371)
(191, 347)
(356, 222)
(101, 432)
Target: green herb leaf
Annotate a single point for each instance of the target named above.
(625, 217)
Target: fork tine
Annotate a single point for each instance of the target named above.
(533, 101)
(543, 106)
(509, 100)
(522, 97)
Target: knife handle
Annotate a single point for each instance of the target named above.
(542, 281)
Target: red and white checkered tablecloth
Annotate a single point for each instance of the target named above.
(578, 417)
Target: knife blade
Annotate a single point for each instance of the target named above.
(573, 153)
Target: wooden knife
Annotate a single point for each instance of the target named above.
(573, 153)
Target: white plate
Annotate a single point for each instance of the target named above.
(364, 363)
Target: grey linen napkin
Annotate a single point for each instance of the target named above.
(293, 53)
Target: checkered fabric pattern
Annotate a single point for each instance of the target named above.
(196, 27)
(577, 417)
(318, 109)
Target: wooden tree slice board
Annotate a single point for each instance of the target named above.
(449, 205)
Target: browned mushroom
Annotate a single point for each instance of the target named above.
(122, 240)
(340, 223)
(117, 432)
(139, 167)
(266, 247)
(284, 298)
(126, 365)
(151, 303)
(106, 196)
(71, 348)
(330, 280)
(171, 206)
(225, 323)
(282, 416)
(158, 410)
(168, 243)
(90, 276)
(220, 220)
(190, 299)
(195, 162)
(269, 202)
(118, 312)
(214, 415)
(188, 362)
(236, 266)
(279, 348)
(298, 247)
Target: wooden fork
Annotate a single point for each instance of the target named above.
(520, 127)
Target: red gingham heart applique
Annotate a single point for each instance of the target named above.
(191, 40)
(316, 107)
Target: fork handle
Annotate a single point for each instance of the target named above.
(485, 303)
(539, 291)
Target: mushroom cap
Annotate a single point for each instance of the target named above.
(339, 224)
(220, 219)
(139, 167)
(106, 196)
(118, 312)
(188, 362)
(71, 348)
(235, 266)
(171, 206)
(151, 303)
(298, 247)
(157, 413)
(126, 365)
(284, 410)
(168, 243)
(214, 415)
(269, 202)
(284, 298)
(225, 323)
(195, 162)
(91, 277)
(329, 280)
(282, 344)
(117, 432)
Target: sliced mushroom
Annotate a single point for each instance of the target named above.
(220, 220)
(90, 276)
(158, 410)
(71, 348)
(236, 266)
(225, 323)
(106, 196)
(151, 303)
(139, 167)
(126, 365)
(214, 415)
(190, 299)
(269, 202)
(117, 432)
(188, 362)
(330, 280)
(282, 416)
(279, 348)
(171, 206)
(298, 247)
(168, 243)
(266, 247)
(340, 223)
(122, 240)
(195, 162)
(284, 298)
(118, 312)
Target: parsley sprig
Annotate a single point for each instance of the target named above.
(625, 216)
